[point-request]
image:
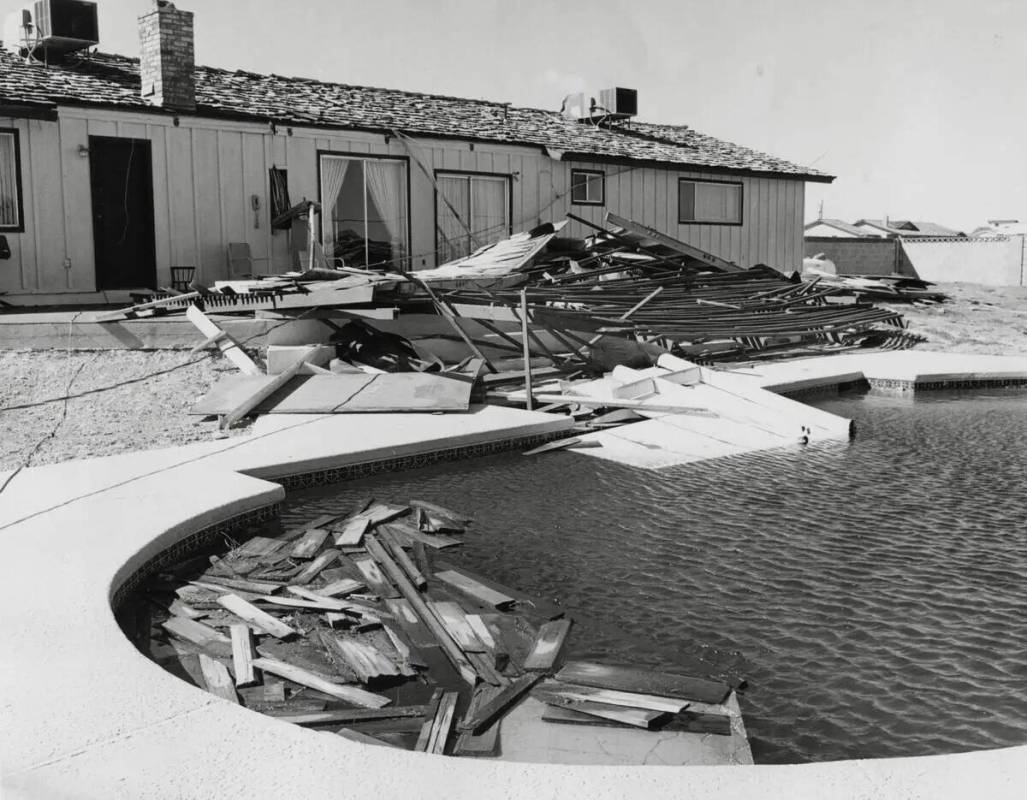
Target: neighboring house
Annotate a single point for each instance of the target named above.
(833, 227)
(113, 170)
(905, 229)
(1000, 227)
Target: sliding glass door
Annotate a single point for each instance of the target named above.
(364, 210)
(472, 211)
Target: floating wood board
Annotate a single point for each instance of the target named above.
(346, 716)
(342, 393)
(452, 616)
(473, 588)
(548, 645)
(587, 713)
(242, 655)
(442, 724)
(569, 694)
(350, 694)
(250, 613)
(309, 543)
(626, 679)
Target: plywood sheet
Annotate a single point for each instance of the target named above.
(349, 393)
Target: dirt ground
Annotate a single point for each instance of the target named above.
(152, 413)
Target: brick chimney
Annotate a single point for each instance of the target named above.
(167, 57)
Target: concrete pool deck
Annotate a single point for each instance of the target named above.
(86, 715)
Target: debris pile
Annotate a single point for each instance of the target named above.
(354, 625)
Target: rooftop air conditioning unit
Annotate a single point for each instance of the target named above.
(618, 103)
(64, 26)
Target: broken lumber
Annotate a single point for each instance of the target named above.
(352, 532)
(589, 713)
(473, 588)
(626, 679)
(248, 612)
(548, 645)
(562, 693)
(483, 716)
(350, 694)
(340, 588)
(195, 632)
(345, 716)
(259, 395)
(442, 723)
(242, 655)
(314, 567)
(229, 348)
(217, 679)
(110, 316)
(420, 608)
(362, 738)
(366, 662)
(308, 544)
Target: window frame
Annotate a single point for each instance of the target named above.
(19, 191)
(602, 187)
(408, 257)
(741, 202)
(470, 175)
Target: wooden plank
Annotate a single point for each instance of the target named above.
(363, 738)
(452, 616)
(587, 713)
(259, 395)
(255, 587)
(196, 632)
(548, 645)
(489, 712)
(257, 547)
(314, 567)
(217, 678)
(319, 522)
(459, 520)
(481, 630)
(174, 300)
(250, 613)
(350, 694)
(430, 711)
(396, 550)
(345, 716)
(352, 532)
(627, 679)
(420, 608)
(374, 577)
(366, 661)
(561, 692)
(442, 723)
(308, 545)
(436, 541)
(228, 346)
(321, 601)
(242, 655)
(523, 600)
(473, 588)
(340, 588)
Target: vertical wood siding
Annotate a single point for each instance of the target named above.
(206, 172)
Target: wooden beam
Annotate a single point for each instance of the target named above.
(229, 348)
(217, 679)
(173, 300)
(250, 613)
(483, 716)
(548, 645)
(349, 694)
(344, 716)
(309, 543)
(261, 394)
(627, 679)
(442, 723)
(478, 591)
(243, 655)
(315, 566)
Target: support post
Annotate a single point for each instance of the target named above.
(526, 349)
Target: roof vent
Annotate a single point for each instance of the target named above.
(64, 26)
(614, 104)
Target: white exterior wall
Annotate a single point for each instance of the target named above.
(205, 171)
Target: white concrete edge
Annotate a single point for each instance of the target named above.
(88, 716)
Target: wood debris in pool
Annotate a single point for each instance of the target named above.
(352, 624)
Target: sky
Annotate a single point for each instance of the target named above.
(917, 106)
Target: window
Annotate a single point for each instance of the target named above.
(588, 187)
(472, 210)
(364, 210)
(710, 202)
(10, 183)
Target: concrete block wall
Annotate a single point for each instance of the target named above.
(991, 262)
(860, 256)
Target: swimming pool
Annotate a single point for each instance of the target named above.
(871, 592)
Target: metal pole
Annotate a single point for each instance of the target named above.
(527, 350)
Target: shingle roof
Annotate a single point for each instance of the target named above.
(908, 228)
(840, 225)
(111, 80)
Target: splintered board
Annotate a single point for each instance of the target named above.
(348, 393)
(625, 679)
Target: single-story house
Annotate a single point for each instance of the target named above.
(114, 170)
(887, 228)
(834, 227)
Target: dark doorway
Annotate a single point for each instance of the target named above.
(122, 189)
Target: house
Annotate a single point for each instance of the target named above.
(834, 227)
(905, 229)
(115, 170)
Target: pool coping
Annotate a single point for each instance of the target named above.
(90, 716)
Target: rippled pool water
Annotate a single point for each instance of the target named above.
(874, 594)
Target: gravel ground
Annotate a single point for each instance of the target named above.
(139, 416)
(152, 413)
